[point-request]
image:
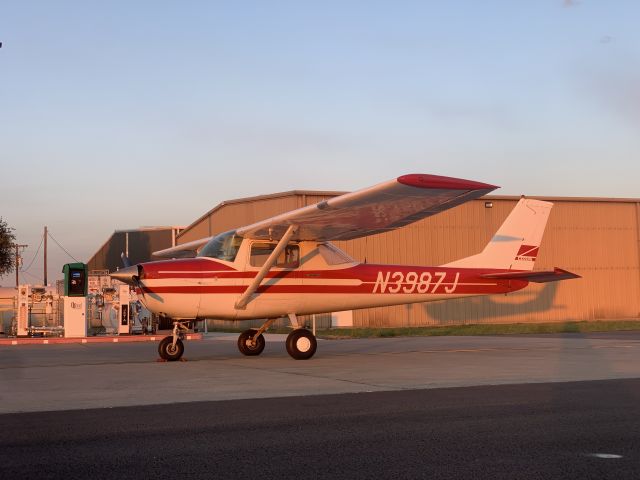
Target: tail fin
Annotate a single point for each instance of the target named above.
(515, 245)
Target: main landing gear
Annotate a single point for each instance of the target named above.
(301, 343)
(251, 342)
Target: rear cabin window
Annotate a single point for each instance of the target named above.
(333, 255)
(289, 257)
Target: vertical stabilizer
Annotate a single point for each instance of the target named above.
(515, 245)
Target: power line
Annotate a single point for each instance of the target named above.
(17, 246)
(64, 249)
(24, 270)
(33, 276)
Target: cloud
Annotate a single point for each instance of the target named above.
(479, 114)
(618, 90)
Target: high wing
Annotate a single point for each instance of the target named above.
(372, 210)
(381, 208)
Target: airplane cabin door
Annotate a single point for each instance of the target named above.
(280, 291)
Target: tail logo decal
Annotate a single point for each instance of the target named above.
(527, 253)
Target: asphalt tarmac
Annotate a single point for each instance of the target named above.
(547, 406)
(583, 430)
(64, 377)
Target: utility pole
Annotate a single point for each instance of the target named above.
(18, 247)
(46, 234)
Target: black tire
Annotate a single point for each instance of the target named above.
(168, 352)
(161, 346)
(301, 344)
(245, 346)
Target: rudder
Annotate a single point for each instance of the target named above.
(515, 245)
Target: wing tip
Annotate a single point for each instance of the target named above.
(421, 180)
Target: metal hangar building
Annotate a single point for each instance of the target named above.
(597, 238)
(138, 244)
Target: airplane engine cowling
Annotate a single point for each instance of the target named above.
(129, 275)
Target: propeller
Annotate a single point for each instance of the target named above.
(130, 274)
(125, 260)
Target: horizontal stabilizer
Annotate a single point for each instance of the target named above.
(538, 277)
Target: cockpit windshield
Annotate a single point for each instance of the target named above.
(222, 247)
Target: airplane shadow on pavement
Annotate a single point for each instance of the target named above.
(489, 307)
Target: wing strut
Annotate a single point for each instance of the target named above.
(242, 302)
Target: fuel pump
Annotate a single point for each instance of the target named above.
(126, 316)
(23, 311)
(75, 299)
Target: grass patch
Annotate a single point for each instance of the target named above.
(495, 329)
(460, 330)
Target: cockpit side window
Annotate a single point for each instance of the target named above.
(222, 247)
(289, 258)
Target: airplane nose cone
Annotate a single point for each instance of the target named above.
(127, 274)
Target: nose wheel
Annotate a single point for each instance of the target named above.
(171, 348)
(170, 351)
(301, 344)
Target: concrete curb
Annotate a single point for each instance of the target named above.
(102, 339)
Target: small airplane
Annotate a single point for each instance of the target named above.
(285, 266)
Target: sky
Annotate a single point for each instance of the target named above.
(121, 114)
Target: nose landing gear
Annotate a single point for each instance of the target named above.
(171, 348)
(170, 351)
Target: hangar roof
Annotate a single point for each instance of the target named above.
(258, 198)
(105, 258)
(566, 199)
(328, 193)
(131, 230)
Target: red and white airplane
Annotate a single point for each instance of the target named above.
(285, 265)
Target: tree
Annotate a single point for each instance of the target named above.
(7, 241)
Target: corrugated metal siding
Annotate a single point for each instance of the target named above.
(323, 320)
(141, 244)
(236, 215)
(596, 239)
(196, 232)
(110, 250)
